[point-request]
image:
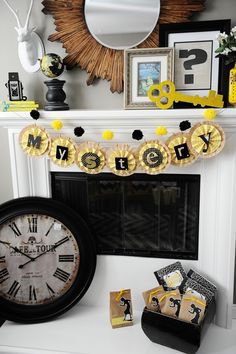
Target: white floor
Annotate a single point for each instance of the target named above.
(87, 330)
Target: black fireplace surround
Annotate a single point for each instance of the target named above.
(139, 215)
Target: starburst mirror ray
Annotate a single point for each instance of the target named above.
(90, 55)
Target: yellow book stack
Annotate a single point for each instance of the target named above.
(17, 106)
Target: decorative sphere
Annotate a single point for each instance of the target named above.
(52, 65)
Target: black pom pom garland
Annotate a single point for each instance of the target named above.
(184, 125)
(79, 131)
(137, 135)
(35, 114)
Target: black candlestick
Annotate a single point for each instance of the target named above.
(55, 96)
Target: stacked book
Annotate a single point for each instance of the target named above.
(16, 106)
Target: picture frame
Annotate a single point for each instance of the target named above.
(197, 75)
(143, 68)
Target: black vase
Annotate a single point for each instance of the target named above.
(55, 96)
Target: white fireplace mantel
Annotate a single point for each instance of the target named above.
(217, 230)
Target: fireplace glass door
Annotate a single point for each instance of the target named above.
(139, 215)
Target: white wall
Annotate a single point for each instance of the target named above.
(79, 95)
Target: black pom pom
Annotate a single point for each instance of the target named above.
(137, 135)
(78, 131)
(184, 125)
(35, 114)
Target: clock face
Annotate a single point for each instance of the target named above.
(47, 259)
(39, 259)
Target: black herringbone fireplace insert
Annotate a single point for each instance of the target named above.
(139, 215)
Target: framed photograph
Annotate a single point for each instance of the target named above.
(196, 68)
(144, 68)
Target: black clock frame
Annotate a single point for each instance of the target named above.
(79, 229)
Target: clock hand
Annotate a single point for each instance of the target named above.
(57, 244)
(16, 249)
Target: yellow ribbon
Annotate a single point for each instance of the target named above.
(119, 295)
(195, 300)
(152, 293)
(168, 294)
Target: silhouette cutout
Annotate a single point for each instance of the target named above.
(127, 311)
(175, 303)
(197, 311)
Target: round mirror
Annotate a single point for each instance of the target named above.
(121, 24)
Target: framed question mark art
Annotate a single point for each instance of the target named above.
(196, 69)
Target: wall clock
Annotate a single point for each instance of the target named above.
(47, 259)
(73, 17)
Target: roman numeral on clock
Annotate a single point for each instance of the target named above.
(33, 224)
(61, 275)
(63, 240)
(14, 288)
(51, 291)
(2, 259)
(15, 229)
(66, 258)
(4, 275)
(32, 293)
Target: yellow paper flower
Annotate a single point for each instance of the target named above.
(209, 114)
(154, 157)
(107, 135)
(90, 158)
(63, 151)
(34, 140)
(161, 130)
(57, 124)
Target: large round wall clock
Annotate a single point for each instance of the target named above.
(47, 259)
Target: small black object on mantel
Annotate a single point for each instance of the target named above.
(15, 87)
(174, 333)
(55, 96)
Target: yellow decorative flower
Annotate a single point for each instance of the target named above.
(154, 157)
(207, 139)
(34, 140)
(63, 151)
(209, 114)
(121, 160)
(57, 124)
(90, 158)
(181, 151)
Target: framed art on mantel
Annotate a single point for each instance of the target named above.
(144, 68)
(196, 68)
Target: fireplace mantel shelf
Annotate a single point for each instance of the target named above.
(113, 118)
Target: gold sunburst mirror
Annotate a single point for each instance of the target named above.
(95, 33)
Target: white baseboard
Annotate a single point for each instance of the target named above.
(234, 311)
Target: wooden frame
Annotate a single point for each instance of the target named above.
(85, 51)
(143, 68)
(204, 72)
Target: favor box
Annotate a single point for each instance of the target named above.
(175, 333)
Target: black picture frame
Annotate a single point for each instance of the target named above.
(190, 31)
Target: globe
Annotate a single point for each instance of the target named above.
(52, 65)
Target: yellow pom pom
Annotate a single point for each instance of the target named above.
(107, 135)
(57, 124)
(209, 114)
(161, 130)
